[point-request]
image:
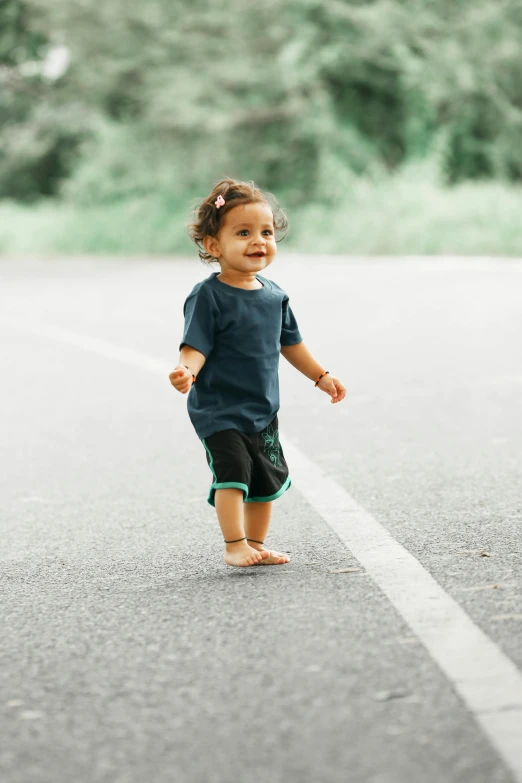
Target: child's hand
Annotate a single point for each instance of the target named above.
(332, 386)
(181, 378)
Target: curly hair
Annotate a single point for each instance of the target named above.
(208, 219)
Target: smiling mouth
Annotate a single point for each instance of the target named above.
(256, 255)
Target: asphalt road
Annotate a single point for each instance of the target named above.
(130, 652)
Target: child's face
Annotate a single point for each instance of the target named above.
(247, 230)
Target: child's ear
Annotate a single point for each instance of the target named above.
(211, 245)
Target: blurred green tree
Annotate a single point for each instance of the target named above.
(300, 95)
(40, 132)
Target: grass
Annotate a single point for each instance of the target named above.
(407, 214)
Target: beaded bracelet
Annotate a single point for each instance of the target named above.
(193, 376)
(321, 376)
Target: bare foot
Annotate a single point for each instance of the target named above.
(241, 554)
(274, 558)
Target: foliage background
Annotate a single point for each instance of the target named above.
(388, 126)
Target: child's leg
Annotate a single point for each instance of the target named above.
(229, 509)
(257, 521)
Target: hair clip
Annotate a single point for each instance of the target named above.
(219, 202)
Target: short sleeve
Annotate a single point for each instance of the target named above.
(201, 314)
(290, 334)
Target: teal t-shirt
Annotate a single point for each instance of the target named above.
(241, 333)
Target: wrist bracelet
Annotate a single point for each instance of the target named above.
(193, 376)
(321, 376)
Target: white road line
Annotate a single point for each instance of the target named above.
(487, 681)
(93, 344)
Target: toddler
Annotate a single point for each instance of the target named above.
(237, 322)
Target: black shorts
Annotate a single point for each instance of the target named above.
(251, 461)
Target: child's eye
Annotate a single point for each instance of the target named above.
(245, 231)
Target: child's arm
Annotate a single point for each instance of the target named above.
(190, 363)
(300, 357)
(193, 359)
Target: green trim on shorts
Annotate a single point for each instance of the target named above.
(226, 485)
(211, 459)
(285, 486)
